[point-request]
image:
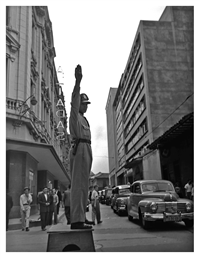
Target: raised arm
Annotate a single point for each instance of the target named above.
(75, 101)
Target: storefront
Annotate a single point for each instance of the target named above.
(35, 165)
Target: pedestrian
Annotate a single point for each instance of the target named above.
(44, 201)
(80, 155)
(38, 204)
(66, 200)
(178, 189)
(9, 205)
(25, 208)
(90, 193)
(51, 207)
(55, 204)
(96, 214)
(58, 193)
(62, 201)
(188, 189)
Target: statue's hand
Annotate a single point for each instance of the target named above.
(78, 73)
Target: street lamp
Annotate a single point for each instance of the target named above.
(33, 101)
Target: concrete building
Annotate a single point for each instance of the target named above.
(111, 136)
(37, 143)
(101, 179)
(154, 93)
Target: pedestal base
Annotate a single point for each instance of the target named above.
(63, 239)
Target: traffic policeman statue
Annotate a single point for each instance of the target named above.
(80, 155)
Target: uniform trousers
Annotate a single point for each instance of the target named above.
(67, 214)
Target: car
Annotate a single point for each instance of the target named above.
(119, 200)
(102, 197)
(153, 200)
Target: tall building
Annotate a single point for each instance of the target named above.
(37, 141)
(111, 136)
(155, 91)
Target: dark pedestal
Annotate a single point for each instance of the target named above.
(63, 239)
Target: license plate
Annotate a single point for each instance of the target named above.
(175, 218)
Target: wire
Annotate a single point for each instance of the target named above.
(170, 115)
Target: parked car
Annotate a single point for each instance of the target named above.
(153, 200)
(108, 194)
(119, 200)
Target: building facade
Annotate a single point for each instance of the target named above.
(155, 91)
(111, 136)
(101, 179)
(37, 142)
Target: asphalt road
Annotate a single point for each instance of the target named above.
(115, 234)
(118, 234)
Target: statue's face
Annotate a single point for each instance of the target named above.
(83, 108)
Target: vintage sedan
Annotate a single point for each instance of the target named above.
(153, 200)
(119, 200)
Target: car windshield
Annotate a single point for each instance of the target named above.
(156, 187)
(122, 191)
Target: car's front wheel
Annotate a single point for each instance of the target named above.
(145, 224)
(189, 223)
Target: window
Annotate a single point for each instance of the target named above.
(136, 188)
(138, 111)
(138, 134)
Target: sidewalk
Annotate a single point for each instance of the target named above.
(15, 223)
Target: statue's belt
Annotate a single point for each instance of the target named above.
(76, 143)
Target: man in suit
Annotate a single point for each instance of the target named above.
(44, 201)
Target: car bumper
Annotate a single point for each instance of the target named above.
(168, 217)
(122, 208)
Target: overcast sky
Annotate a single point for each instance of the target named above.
(98, 35)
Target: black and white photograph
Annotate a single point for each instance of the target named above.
(99, 128)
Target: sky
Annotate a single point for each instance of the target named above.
(98, 35)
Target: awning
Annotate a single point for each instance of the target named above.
(186, 123)
(133, 162)
(46, 156)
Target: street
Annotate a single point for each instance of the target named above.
(115, 234)
(118, 234)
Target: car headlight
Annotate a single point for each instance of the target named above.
(188, 206)
(154, 206)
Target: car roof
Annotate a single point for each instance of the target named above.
(122, 186)
(150, 181)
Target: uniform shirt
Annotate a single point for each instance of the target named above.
(78, 124)
(25, 200)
